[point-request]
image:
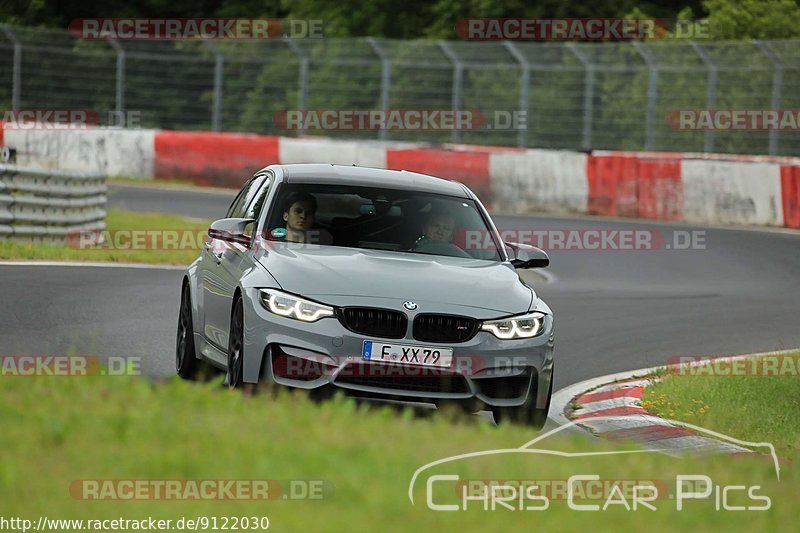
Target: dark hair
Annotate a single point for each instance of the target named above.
(300, 197)
(440, 214)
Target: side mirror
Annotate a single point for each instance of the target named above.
(231, 230)
(526, 256)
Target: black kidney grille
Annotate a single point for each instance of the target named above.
(444, 328)
(374, 322)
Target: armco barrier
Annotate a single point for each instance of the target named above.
(39, 203)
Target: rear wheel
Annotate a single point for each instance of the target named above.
(526, 413)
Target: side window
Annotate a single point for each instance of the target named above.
(242, 206)
(257, 204)
(236, 205)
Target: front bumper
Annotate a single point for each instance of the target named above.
(324, 354)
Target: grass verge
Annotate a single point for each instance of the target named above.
(755, 399)
(58, 431)
(190, 233)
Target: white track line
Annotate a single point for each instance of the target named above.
(93, 265)
(611, 403)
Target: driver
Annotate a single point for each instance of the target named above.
(438, 236)
(440, 227)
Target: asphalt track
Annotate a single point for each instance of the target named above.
(615, 310)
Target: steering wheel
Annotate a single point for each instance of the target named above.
(426, 245)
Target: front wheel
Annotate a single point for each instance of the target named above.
(236, 347)
(526, 413)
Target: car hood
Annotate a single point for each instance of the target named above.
(329, 274)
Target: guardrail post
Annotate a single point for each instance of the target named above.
(525, 77)
(302, 81)
(588, 95)
(386, 80)
(711, 95)
(219, 67)
(120, 77)
(652, 94)
(458, 82)
(16, 78)
(775, 101)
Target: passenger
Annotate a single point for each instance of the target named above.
(300, 217)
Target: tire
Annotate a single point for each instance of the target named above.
(186, 362)
(235, 347)
(540, 415)
(526, 413)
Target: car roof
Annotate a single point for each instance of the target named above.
(371, 177)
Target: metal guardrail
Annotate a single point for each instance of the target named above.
(41, 203)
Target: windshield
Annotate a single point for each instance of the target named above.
(380, 219)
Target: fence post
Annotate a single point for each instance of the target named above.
(386, 80)
(775, 101)
(522, 134)
(120, 77)
(711, 96)
(219, 66)
(588, 95)
(16, 78)
(458, 81)
(302, 78)
(652, 94)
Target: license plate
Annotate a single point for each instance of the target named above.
(407, 354)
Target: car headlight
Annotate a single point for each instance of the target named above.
(516, 327)
(292, 306)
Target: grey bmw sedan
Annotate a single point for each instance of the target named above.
(380, 283)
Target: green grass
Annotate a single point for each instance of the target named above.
(753, 408)
(56, 430)
(119, 220)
